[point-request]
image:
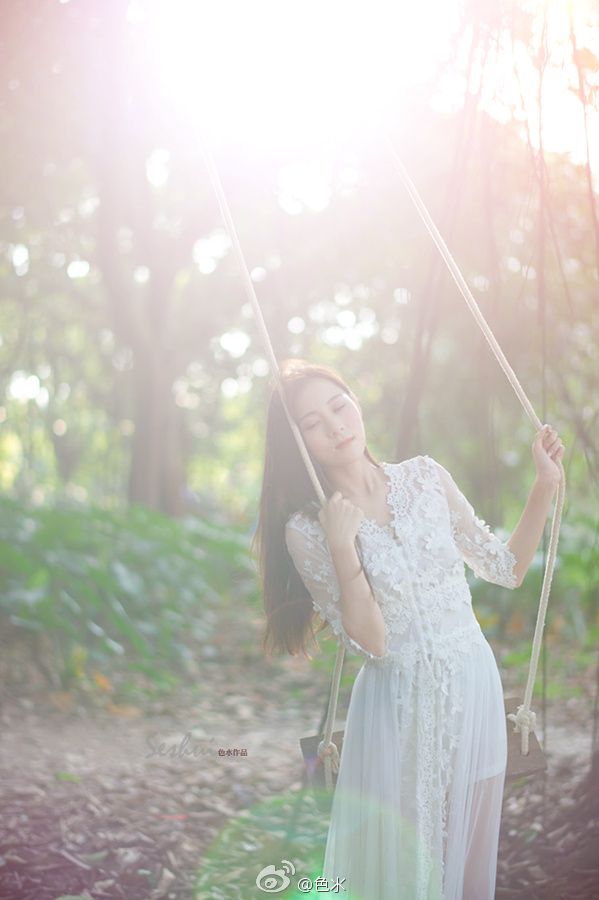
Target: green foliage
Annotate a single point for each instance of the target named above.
(67, 776)
(283, 828)
(134, 585)
(145, 360)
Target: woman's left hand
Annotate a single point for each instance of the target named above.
(547, 450)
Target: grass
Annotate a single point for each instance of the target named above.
(284, 835)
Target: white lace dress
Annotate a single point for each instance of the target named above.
(417, 805)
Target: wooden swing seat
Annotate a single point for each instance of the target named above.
(518, 765)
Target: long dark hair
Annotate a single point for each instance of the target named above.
(286, 489)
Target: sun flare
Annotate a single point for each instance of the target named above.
(281, 78)
(288, 72)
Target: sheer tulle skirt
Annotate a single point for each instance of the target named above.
(418, 800)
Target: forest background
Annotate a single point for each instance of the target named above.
(133, 387)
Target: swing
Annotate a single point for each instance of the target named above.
(525, 756)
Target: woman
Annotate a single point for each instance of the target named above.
(416, 809)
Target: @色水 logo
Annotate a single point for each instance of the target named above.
(273, 880)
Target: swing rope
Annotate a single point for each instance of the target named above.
(331, 760)
(524, 719)
(251, 294)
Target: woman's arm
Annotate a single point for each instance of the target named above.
(361, 616)
(547, 448)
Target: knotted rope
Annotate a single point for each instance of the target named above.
(327, 748)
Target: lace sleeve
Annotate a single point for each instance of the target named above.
(487, 556)
(309, 551)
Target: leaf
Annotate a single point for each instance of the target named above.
(587, 59)
(71, 897)
(30, 597)
(128, 581)
(114, 646)
(62, 700)
(92, 859)
(25, 623)
(103, 682)
(67, 776)
(125, 710)
(13, 560)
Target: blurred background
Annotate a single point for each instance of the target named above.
(133, 386)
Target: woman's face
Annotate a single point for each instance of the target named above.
(330, 421)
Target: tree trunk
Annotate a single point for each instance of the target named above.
(157, 474)
(139, 318)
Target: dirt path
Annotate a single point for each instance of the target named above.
(115, 802)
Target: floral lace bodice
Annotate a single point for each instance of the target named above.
(415, 564)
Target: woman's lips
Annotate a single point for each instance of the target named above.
(344, 444)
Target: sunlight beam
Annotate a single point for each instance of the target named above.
(283, 72)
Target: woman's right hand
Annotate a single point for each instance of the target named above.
(340, 521)
(547, 449)
(361, 615)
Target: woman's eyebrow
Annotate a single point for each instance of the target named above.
(314, 412)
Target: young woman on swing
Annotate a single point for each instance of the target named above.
(417, 804)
